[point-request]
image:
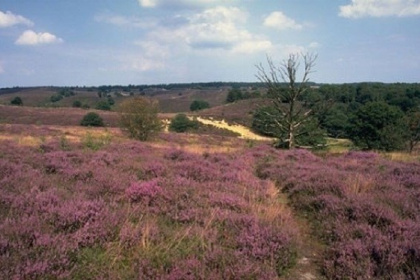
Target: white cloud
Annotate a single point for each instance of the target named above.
(9, 19)
(314, 45)
(380, 8)
(127, 21)
(148, 3)
(280, 21)
(252, 46)
(30, 37)
(181, 3)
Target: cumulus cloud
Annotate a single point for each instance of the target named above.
(9, 19)
(30, 37)
(380, 8)
(280, 21)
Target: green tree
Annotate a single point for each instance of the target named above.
(199, 105)
(234, 94)
(181, 123)
(77, 104)
(103, 105)
(92, 119)
(377, 125)
(292, 119)
(56, 97)
(139, 117)
(17, 101)
(413, 121)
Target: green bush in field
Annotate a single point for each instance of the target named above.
(199, 105)
(139, 117)
(92, 119)
(181, 123)
(77, 104)
(17, 101)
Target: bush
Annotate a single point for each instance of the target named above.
(181, 123)
(77, 104)
(92, 119)
(139, 117)
(103, 105)
(199, 105)
(17, 101)
(56, 98)
(377, 125)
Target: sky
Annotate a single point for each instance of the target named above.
(109, 42)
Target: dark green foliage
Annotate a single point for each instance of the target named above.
(17, 101)
(110, 100)
(103, 105)
(413, 121)
(181, 123)
(56, 97)
(264, 121)
(199, 105)
(66, 92)
(234, 94)
(92, 119)
(336, 121)
(77, 104)
(377, 125)
(309, 134)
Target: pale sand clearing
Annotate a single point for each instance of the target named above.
(244, 132)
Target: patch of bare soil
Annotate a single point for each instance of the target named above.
(244, 132)
(309, 251)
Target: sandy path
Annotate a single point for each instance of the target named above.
(245, 132)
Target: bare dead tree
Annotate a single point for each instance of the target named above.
(292, 115)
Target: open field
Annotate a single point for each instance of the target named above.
(89, 203)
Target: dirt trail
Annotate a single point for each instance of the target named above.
(243, 131)
(309, 251)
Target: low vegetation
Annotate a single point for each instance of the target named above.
(139, 117)
(181, 123)
(132, 211)
(364, 208)
(92, 119)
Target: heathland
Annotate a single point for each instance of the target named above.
(82, 202)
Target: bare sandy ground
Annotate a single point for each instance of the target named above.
(245, 132)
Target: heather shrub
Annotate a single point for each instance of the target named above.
(135, 210)
(359, 204)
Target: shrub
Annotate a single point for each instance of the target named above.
(181, 123)
(103, 105)
(56, 98)
(77, 104)
(92, 119)
(199, 105)
(139, 116)
(16, 101)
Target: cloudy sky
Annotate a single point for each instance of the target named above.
(91, 42)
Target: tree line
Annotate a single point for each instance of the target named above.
(375, 116)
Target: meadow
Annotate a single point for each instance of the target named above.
(88, 203)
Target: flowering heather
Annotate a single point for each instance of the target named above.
(365, 208)
(137, 211)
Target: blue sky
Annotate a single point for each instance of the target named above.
(91, 42)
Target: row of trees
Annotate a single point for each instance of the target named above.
(373, 115)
